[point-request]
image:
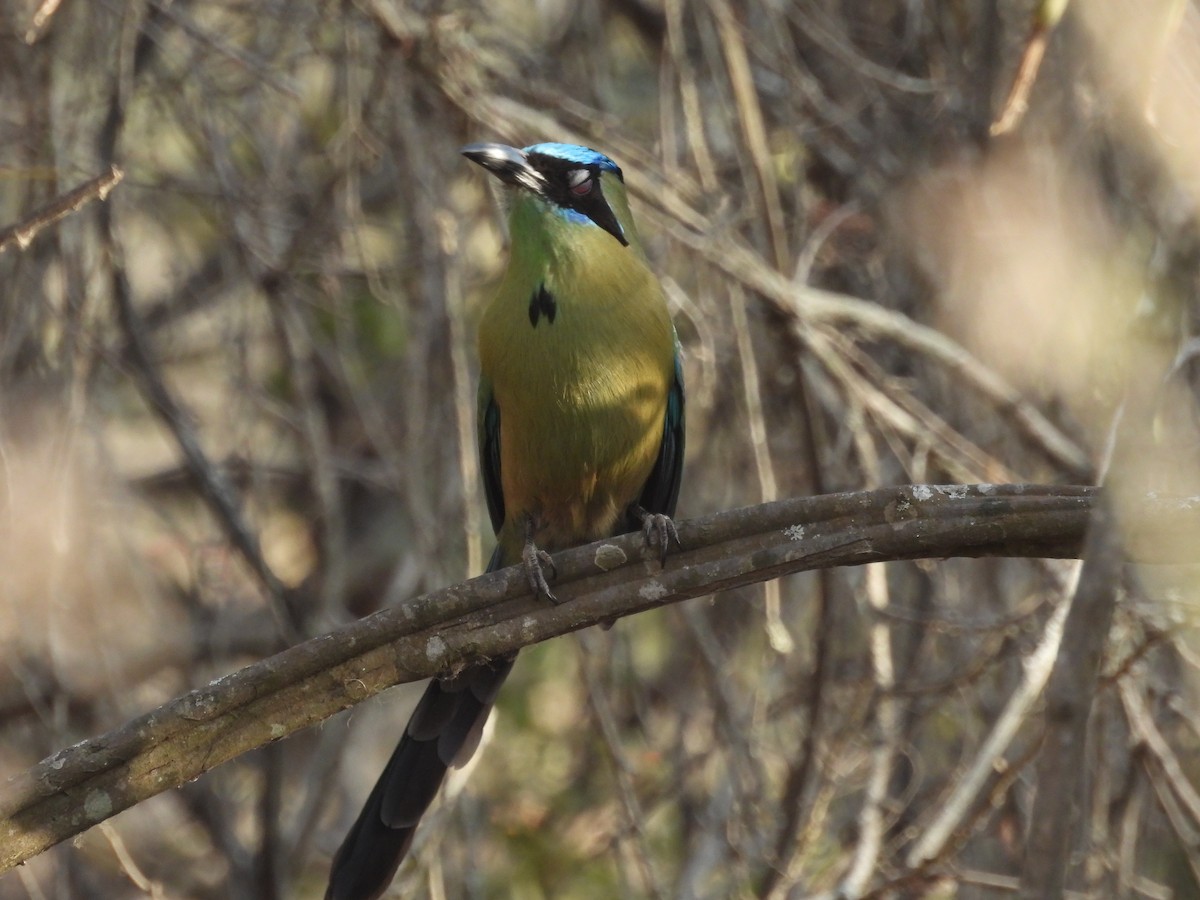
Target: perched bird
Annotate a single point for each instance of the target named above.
(580, 429)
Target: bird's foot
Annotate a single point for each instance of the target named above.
(657, 529)
(536, 562)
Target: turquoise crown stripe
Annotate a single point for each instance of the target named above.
(584, 156)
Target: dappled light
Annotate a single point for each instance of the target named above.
(243, 267)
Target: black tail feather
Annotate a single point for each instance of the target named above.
(444, 731)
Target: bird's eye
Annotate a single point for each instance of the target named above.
(580, 182)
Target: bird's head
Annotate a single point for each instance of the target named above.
(580, 185)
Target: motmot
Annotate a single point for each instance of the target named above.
(581, 437)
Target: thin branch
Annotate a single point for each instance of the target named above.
(955, 808)
(494, 615)
(23, 233)
(634, 816)
(886, 711)
(777, 634)
(1062, 765)
(754, 127)
(214, 485)
(1046, 16)
(1185, 831)
(883, 743)
(1141, 722)
(40, 21)
(827, 310)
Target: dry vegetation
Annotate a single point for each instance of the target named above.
(237, 399)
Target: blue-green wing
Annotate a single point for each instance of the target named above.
(662, 487)
(487, 426)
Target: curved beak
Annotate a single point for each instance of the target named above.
(508, 164)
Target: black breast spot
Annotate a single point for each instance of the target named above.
(541, 302)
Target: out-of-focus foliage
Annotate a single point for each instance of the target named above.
(304, 252)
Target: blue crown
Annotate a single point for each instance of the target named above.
(583, 156)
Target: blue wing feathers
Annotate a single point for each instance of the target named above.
(661, 490)
(488, 425)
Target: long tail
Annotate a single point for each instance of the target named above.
(444, 731)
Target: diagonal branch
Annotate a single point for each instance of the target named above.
(494, 615)
(22, 233)
(213, 483)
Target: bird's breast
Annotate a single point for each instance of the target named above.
(581, 380)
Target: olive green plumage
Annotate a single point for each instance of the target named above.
(580, 437)
(583, 396)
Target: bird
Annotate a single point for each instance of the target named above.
(580, 427)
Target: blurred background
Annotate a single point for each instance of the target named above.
(249, 374)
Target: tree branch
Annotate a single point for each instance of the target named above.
(494, 615)
(22, 233)
(1070, 694)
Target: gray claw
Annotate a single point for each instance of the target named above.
(659, 529)
(536, 561)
